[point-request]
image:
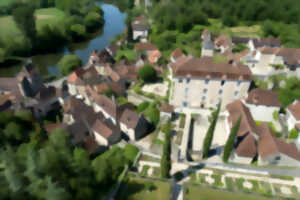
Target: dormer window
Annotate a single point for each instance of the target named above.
(206, 81)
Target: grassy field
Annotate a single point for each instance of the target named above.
(44, 16)
(135, 190)
(200, 193)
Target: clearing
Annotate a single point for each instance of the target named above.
(135, 190)
(201, 193)
(50, 16)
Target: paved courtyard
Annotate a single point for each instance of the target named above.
(159, 89)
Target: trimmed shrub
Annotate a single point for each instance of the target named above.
(230, 141)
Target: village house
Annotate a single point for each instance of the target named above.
(258, 142)
(223, 43)
(133, 125)
(203, 83)
(207, 44)
(263, 104)
(293, 115)
(245, 144)
(273, 151)
(112, 49)
(140, 32)
(105, 134)
(166, 111)
(101, 59)
(176, 54)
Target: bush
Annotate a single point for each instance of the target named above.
(78, 31)
(210, 132)
(93, 21)
(275, 115)
(230, 141)
(294, 134)
(178, 176)
(142, 106)
(152, 114)
(69, 63)
(147, 73)
(130, 152)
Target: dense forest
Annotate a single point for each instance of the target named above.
(35, 165)
(275, 18)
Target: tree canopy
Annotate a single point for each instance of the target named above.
(69, 63)
(147, 73)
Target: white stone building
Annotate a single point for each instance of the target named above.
(140, 31)
(202, 83)
(262, 104)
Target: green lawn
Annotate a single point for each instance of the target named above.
(5, 2)
(200, 193)
(135, 190)
(44, 16)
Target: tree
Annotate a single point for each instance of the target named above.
(210, 132)
(78, 31)
(93, 21)
(129, 28)
(165, 162)
(231, 139)
(25, 20)
(69, 63)
(147, 73)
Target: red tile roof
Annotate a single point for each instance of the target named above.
(294, 108)
(263, 97)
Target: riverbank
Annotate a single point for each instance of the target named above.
(47, 62)
(54, 28)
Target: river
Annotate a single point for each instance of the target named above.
(47, 63)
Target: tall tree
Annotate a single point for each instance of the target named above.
(231, 139)
(210, 132)
(165, 162)
(25, 20)
(129, 28)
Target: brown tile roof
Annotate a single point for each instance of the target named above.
(263, 97)
(147, 46)
(106, 104)
(294, 108)
(79, 131)
(74, 77)
(140, 27)
(297, 127)
(102, 129)
(127, 72)
(90, 145)
(206, 67)
(270, 41)
(112, 74)
(268, 144)
(166, 108)
(177, 53)
(248, 125)
(247, 148)
(51, 127)
(140, 18)
(291, 56)
(223, 40)
(101, 87)
(130, 118)
(269, 50)
(154, 56)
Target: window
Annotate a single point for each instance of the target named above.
(238, 83)
(180, 80)
(236, 93)
(203, 98)
(206, 81)
(222, 83)
(204, 91)
(220, 91)
(188, 80)
(184, 104)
